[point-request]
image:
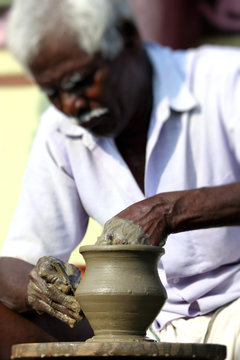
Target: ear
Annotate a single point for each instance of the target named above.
(130, 34)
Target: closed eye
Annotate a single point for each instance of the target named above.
(78, 81)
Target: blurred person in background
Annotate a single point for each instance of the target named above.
(222, 14)
(135, 130)
(3, 25)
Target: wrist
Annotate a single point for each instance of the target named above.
(189, 210)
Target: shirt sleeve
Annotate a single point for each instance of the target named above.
(49, 219)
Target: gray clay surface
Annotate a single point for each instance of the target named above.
(119, 231)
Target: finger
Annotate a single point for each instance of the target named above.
(52, 270)
(75, 315)
(40, 304)
(74, 274)
(68, 301)
(48, 292)
(37, 283)
(37, 288)
(36, 298)
(62, 277)
(34, 294)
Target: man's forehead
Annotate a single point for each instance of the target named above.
(51, 65)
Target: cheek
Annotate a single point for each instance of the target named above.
(116, 97)
(97, 89)
(94, 92)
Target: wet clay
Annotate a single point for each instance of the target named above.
(60, 281)
(120, 293)
(119, 231)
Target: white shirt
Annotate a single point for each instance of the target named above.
(193, 141)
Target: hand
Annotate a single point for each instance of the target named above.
(178, 211)
(52, 287)
(153, 215)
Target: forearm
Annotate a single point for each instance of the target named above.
(14, 278)
(178, 211)
(206, 207)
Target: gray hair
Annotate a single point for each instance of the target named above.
(93, 22)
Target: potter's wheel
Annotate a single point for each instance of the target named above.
(144, 349)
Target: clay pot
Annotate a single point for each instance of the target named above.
(121, 293)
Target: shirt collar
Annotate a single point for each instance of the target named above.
(69, 127)
(169, 84)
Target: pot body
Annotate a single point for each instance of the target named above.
(121, 292)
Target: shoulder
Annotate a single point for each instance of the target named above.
(211, 62)
(205, 58)
(51, 120)
(59, 136)
(163, 55)
(218, 53)
(56, 127)
(49, 142)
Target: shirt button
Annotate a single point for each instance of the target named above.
(176, 281)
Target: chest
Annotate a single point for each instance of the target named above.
(135, 161)
(183, 156)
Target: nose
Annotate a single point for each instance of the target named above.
(72, 104)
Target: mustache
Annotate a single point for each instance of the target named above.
(89, 115)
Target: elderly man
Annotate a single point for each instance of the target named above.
(138, 131)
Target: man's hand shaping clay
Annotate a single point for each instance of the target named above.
(153, 215)
(118, 231)
(52, 287)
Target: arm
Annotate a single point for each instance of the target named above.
(14, 278)
(44, 224)
(47, 287)
(179, 211)
(21, 324)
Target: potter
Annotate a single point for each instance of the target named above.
(155, 141)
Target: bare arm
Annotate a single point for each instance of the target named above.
(28, 327)
(179, 211)
(47, 287)
(14, 278)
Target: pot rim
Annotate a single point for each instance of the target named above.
(127, 247)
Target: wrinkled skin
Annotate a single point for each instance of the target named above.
(79, 84)
(52, 287)
(178, 211)
(153, 215)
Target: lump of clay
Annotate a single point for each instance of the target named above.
(119, 231)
